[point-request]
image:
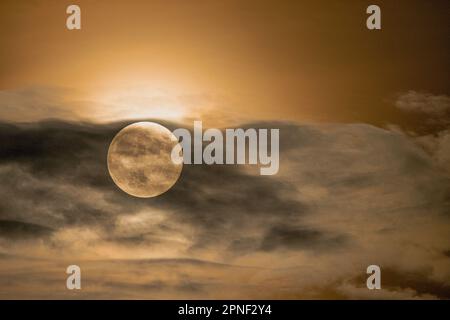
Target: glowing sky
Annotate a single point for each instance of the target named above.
(311, 60)
(364, 119)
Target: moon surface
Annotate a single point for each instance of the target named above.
(139, 160)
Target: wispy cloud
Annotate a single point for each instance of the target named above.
(344, 198)
(421, 102)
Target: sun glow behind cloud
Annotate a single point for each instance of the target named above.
(138, 102)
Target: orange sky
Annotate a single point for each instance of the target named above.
(346, 196)
(298, 61)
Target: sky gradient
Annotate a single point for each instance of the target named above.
(364, 119)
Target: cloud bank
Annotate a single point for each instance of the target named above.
(346, 196)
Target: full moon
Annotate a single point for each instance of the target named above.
(139, 160)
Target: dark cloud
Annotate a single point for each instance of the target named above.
(75, 151)
(16, 230)
(341, 190)
(215, 200)
(285, 236)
